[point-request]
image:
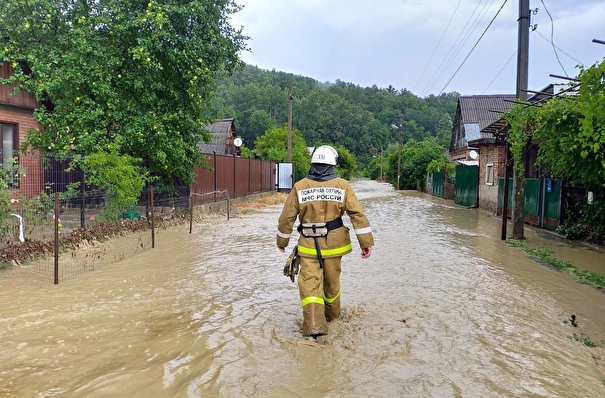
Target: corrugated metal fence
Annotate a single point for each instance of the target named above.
(467, 186)
(237, 176)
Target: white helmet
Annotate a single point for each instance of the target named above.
(324, 154)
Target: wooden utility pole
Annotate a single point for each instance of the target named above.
(518, 213)
(518, 201)
(290, 125)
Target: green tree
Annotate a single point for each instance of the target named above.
(119, 176)
(273, 145)
(346, 166)
(415, 159)
(129, 78)
(340, 113)
(260, 121)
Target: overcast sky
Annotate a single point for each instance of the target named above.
(419, 44)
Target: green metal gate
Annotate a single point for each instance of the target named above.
(437, 185)
(552, 204)
(466, 190)
(532, 198)
(542, 201)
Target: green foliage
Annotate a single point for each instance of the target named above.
(339, 114)
(119, 175)
(570, 129)
(571, 135)
(346, 166)
(10, 173)
(377, 166)
(273, 145)
(4, 200)
(246, 152)
(134, 78)
(586, 340)
(415, 158)
(547, 258)
(441, 164)
(588, 224)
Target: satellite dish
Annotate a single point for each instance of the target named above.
(237, 142)
(473, 154)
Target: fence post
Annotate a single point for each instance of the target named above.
(83, 203)
(190, 208)
(151, 215)
(56, 281)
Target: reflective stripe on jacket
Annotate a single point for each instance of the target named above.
(323, 201)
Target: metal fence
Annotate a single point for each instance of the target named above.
(47, 206)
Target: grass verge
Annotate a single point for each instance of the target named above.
(545, 257)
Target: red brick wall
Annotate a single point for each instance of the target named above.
(489, 154)
(17, 109)
(31, 183)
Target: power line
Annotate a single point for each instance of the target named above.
(552, 34)
(471, 51)
(494, 79)
(558, 48)
(438, 44)
(476, 23)
(451, 48)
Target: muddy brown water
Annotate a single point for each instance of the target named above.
(443, 308)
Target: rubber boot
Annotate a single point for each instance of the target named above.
(314, 320)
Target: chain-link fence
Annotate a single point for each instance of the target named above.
(53, 223)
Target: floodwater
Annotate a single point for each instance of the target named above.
(443, 308)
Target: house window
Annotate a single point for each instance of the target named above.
(7, 152)
(489, 174)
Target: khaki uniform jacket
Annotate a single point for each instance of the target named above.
(323, 201)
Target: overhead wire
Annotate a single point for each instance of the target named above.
(552, 34)
(501, 70)
(558, 48)
(472, 49)
(438, 44)
(476, 23)
(426, 88)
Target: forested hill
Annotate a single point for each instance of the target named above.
(358, 118)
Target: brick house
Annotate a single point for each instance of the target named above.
(473, 141)
(16, 119)
(492, 156)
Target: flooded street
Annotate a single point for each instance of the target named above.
(443, 308)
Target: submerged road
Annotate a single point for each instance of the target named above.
(443, 308)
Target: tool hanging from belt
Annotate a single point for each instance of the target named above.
(319, 230)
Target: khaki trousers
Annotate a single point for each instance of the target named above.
(319, 293)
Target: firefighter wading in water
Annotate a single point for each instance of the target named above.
(319, 201)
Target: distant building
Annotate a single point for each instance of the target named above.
(222, 137)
